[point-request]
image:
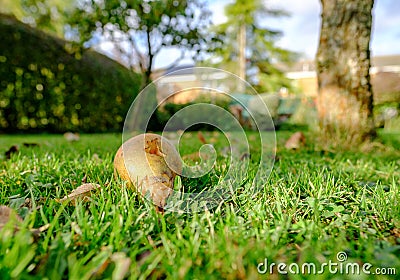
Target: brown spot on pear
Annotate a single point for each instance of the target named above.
(149, 163)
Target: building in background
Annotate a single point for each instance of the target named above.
(385, 78)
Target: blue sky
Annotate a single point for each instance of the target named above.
(301, 29)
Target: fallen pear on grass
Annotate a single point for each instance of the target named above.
(149, 163)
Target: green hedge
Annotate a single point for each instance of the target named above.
(45, 87)
(208, 115)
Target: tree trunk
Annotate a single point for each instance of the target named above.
(345, 100)
(242, 55)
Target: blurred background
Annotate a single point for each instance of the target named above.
(77, 65)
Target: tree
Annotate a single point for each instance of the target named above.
(139, 30)
(47, 15)
(250, 48)
(11, 7)
(345, 100)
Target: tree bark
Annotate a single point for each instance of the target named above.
(345, 99)
(242, 55)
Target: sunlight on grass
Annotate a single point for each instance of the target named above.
(313, 205)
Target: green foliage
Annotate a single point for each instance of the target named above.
(169, 109)
(139, 30)
(262, 54)
(47, 15)
(17, 251)
(303, 111)
(45, 87)
(12, 7)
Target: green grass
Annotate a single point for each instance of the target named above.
(314, 205)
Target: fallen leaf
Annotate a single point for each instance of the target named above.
(395, 232)
(101, 269)
(122, 264)
(100, 263)
(180, 132)
(142, 257)
(37, 231)
(84, 179)
(295, 141)
(201, 137)
(96, 158)
(28, 145)
(70, 137)
(82, 192)
(8, 214)
(151, 242)
(76, 228)
(245, 156)
(12, 150)
(195, 156)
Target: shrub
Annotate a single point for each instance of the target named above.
(45, 87)
(168, 109)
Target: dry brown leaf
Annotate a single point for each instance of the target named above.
(201, 137)
(28, 145)
(70, 137)
(193, 156)
(37, 231)
(12, 150)
(151, 242)
(8, 214)
(122, 264)
(395, 232)
(196, 156)
(84, 179)
(295, 141)
(142, 257)
(82, 192)
(96, 158)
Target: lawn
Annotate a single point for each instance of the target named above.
(332, 211)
